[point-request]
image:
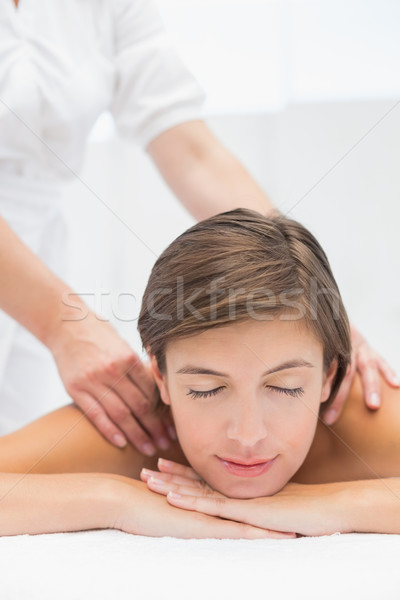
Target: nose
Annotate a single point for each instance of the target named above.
(247, 422)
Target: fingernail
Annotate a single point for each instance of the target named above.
(172, 432)
(374, 400)
(156, 481)
(163, 462)
(119, 440)
(148, 449)
(330, 416)
(174, 495)
(396, 380)
(163, 443)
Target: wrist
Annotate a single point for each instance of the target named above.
(366, 506)
(123, 502)
(112, 494)
(64, 323)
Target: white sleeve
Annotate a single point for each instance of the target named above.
(154, 90)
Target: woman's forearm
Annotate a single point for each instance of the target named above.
(36, 504)
(371, 506)
(58, 502)
(365, 506)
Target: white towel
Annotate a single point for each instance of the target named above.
(113, 565)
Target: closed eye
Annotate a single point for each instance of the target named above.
(205, 394)
(293, 392)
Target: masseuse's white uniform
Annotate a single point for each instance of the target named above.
(62, 63)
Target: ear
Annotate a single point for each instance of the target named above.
(328, 380)
(160, 380)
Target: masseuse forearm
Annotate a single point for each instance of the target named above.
(56, 503)
(30, 292)
(203, 174)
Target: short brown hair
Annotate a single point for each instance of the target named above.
(206, 277)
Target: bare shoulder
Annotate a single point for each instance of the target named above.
(65, 441)
(367, 442)
(363, 444)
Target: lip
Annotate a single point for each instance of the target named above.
(243, 468)
(246, 463)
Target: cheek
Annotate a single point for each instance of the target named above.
(196, 431)
(299, 429)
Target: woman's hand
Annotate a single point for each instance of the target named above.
(143, 513)
(172, 474)
(305, 509)
(370, 365)
(108, 382)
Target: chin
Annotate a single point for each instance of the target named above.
(248, 488)
(233, 486)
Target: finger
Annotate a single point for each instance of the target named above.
(370, 380)
(170, 425)
(169, 466)
(226, 508)
(387, 372)
(139, 405)
(145, 475)
(164, 487)
(142, 376)
(158, 427)
(332, 414)
(217, 507)
(120, 414)
(157, 430)
(98, 416)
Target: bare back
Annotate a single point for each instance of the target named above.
(363, 444)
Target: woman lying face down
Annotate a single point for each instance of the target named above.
(248, 342)
(245, 401)
(248, 338)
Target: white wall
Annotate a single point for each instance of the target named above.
(338, 164)
(272, 53)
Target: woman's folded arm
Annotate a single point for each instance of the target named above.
(67, 502)
(372, 506)
(57, 503)
(365, 506)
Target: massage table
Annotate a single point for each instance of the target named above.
(113, 565)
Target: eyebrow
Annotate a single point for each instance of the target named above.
(289, 364)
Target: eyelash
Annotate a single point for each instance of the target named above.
(293, 392)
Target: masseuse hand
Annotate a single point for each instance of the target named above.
(370, 365)
(109, 383)
(317, 509)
